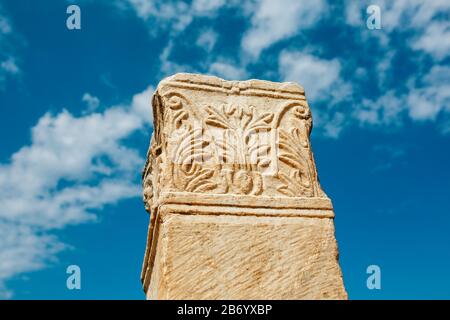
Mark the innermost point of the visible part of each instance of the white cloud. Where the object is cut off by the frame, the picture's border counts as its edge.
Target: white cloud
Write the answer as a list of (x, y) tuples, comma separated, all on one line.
[(318, 76), (9, 65), (273, 21), (422, 107), (334, 124), (323, 85), (163, 12), (207, 40), (395, 15), (141, 105), (425, 102), (420, 25), (5, 26), (431, 30), (173, 15), (8, 61), (435, 40), (385, 110), (207, 7), (91, 101), (227, 70), (406, 14), (215, 65), (424, 28), (220, 67), (353, 14), (22, 249), (384, 68), (73, 167)]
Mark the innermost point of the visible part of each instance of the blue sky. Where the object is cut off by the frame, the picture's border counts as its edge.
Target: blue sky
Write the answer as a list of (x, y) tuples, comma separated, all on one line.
[(76, 121)]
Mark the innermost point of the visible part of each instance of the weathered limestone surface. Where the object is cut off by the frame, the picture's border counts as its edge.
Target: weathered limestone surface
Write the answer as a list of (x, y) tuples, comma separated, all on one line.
[(237, 211)]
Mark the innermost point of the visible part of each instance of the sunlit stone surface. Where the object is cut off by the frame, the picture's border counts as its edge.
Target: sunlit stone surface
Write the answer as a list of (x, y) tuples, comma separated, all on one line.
[(237, 211)]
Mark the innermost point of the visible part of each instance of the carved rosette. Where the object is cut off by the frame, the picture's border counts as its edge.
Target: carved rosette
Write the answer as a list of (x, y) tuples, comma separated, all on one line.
[(219, 137)]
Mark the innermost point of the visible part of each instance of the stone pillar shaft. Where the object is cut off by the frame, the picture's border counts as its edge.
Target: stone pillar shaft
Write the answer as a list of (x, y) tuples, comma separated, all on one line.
[(236, 208)]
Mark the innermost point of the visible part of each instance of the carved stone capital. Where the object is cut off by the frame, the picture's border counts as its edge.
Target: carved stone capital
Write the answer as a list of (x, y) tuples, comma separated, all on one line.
[(230, 149)]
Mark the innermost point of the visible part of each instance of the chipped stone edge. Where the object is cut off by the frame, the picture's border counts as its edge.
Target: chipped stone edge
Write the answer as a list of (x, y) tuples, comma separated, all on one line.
[(212, 83)]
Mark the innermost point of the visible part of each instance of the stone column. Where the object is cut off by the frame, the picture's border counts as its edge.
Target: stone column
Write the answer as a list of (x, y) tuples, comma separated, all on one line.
[(236, 209)]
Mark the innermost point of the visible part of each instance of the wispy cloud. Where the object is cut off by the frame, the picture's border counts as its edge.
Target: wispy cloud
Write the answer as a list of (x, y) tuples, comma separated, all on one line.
[(173, 16), (424, 32), (413, 32), (273, 21), (207, 39), (92, 102), (435, 40), (319, 77), (227, 70), (73, 167), (432, 95), (323, 85), (9, 66), (5, 26), (24, 249)]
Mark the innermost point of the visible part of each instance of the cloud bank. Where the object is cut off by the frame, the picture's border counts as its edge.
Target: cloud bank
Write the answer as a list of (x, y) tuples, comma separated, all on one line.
[(73, 167)]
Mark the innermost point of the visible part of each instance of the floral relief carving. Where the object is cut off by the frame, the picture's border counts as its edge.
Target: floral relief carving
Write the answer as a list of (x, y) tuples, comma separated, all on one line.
[(150, 176), (217, 148), (292, 153), (189, 155), (240, 145)]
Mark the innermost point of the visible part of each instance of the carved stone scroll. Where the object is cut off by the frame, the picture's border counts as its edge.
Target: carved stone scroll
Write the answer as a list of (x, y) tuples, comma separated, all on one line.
[(236, 208)]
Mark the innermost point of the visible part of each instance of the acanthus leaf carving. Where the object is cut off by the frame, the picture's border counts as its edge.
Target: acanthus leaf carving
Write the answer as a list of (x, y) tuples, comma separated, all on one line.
[(240, 145), (297, 176), (189, 155), (215, 148)]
